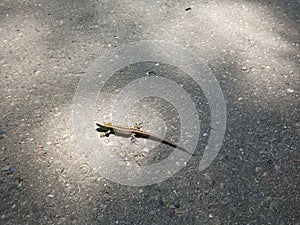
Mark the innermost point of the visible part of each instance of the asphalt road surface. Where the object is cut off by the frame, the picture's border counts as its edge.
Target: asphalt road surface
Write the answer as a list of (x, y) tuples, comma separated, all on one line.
[(252, 50)]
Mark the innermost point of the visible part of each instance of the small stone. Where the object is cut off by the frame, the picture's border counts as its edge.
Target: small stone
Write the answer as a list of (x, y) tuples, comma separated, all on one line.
[(2, 134), (151, 73), (37, 215), (5, 168), (51, 196), (177, 204), (289, 90), (11, 170)]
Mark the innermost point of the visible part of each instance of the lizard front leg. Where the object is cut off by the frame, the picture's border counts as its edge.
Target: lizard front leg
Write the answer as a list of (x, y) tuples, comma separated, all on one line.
[(133, 138), (138, 126), (107, 133)]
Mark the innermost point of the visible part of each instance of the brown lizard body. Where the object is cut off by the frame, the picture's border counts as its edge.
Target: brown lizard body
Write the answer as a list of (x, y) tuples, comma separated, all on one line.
[(134, 132)]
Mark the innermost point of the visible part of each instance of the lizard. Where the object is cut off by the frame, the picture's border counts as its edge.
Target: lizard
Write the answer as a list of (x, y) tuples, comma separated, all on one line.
[(108, 128)]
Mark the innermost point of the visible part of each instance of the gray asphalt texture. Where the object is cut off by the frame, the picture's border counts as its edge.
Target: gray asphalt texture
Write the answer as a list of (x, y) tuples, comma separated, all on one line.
[(252, 47)]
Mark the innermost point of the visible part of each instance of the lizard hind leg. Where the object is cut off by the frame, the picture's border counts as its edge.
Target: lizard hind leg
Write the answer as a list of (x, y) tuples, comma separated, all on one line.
[(133, 138)]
